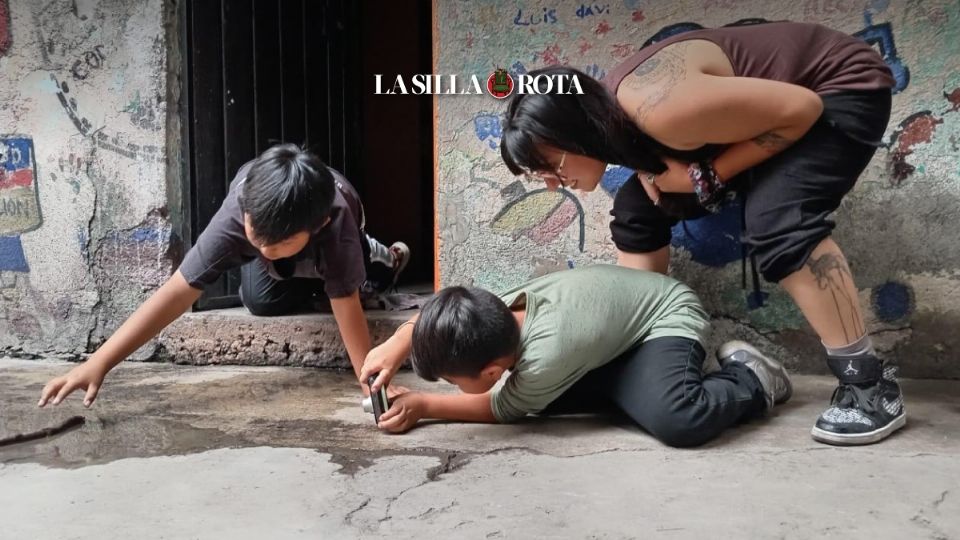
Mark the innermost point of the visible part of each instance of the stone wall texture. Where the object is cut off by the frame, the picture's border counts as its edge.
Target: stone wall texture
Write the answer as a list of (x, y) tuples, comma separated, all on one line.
[(85, 228)]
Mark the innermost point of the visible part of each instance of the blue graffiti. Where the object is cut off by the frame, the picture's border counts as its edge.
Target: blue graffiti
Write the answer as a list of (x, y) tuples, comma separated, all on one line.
[(892, 301), (881, 36), (712, 240), (595, 71), (549, 16), (487, 128), (16, 156), (148, 234), (11, 255), (517, 69), (16, 153), (589, 10), (614, 178)]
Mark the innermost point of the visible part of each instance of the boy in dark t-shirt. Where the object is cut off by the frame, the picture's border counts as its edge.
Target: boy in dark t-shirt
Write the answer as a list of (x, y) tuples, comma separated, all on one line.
[(297, 228)]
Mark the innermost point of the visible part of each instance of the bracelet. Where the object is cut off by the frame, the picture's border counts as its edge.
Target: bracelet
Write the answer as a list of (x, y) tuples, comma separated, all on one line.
[(708, 186)]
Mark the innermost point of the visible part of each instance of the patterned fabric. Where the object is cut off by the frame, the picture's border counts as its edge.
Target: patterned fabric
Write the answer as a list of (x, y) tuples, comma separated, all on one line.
[(711, 191), (846, 416)]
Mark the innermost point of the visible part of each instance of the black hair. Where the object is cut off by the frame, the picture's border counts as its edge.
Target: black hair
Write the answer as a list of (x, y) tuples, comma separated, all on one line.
[(287, 190), (460, 331), (590, 124)]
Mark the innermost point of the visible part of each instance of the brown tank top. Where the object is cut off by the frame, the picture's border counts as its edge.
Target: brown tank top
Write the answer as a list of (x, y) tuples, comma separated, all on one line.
[(809, 55)]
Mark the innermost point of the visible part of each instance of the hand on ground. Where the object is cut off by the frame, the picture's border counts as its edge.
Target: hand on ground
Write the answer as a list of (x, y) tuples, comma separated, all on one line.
[(85, 377)]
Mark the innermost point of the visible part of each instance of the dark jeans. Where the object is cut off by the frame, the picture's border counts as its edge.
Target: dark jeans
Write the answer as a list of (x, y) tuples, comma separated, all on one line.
[(265, 296), (661, 386), (788, 198)]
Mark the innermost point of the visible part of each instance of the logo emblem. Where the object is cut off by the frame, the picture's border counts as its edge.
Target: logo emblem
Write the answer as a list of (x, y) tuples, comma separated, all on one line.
[(500, 84)]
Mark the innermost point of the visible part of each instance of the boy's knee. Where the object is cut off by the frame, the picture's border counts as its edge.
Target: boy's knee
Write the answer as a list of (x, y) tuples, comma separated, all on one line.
[(682, 436), (679, 429), (266, 309)]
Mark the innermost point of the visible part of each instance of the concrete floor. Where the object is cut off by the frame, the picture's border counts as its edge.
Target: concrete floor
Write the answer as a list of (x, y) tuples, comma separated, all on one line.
[(238, 452)]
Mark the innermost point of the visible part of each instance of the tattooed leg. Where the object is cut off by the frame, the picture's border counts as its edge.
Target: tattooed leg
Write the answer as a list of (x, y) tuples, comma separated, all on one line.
[(825, 292)]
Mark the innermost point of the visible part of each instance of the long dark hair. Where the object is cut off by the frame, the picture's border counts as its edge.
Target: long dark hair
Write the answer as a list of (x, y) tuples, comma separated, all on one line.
[(592, 124)]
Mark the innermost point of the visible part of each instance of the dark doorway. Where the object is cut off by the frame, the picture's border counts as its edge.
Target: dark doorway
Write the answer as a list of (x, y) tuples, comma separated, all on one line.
[(397, 131), (258, 72)]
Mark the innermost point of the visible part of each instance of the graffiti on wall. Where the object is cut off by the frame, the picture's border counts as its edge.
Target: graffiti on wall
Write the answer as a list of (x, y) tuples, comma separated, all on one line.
[(141, 255), (880, 36), (111, 143), (917, 129), (19, 201), (76, 45), (541, 215), (486, 126)]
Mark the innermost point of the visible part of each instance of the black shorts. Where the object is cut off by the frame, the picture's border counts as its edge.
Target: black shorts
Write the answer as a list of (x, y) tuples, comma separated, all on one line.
[(787, 199)]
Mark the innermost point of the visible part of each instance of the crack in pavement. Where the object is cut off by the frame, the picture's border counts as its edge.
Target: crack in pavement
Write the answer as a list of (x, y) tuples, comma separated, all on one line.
[(449, 462), (348, 519), (434, 510)]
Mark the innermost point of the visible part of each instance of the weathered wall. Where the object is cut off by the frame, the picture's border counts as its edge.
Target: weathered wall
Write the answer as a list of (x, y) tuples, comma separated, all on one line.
[(84, 228), (898, 228)]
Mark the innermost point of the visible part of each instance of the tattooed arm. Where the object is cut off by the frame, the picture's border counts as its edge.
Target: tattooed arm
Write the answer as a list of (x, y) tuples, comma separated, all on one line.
[(757, 117)]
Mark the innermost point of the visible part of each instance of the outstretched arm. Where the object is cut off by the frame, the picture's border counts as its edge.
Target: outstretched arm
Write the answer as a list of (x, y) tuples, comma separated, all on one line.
[(170, 301)]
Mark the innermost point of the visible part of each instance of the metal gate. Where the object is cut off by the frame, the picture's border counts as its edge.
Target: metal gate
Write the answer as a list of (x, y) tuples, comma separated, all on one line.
[(258, 72)]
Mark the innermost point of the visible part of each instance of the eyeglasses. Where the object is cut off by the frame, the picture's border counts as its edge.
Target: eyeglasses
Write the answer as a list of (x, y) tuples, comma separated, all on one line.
[(558, 174)]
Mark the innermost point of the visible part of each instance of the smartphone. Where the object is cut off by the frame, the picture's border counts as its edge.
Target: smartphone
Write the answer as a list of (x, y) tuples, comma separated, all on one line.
[(378, 399)]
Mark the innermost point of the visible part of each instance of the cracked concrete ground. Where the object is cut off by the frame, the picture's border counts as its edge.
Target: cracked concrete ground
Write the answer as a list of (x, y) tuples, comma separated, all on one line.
[(241, 452)]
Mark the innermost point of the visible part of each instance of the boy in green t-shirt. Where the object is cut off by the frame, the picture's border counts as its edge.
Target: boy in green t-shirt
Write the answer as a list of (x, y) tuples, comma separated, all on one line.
[(574, 341)]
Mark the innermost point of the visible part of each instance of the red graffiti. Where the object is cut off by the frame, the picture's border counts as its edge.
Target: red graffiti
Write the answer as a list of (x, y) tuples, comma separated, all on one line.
[(551, 55), (918, 128), (915, 129), (20, 178), (621, 50), (4, 27), (954, 99), (584, 47), (562, 216), (638, 16), (602, 28)]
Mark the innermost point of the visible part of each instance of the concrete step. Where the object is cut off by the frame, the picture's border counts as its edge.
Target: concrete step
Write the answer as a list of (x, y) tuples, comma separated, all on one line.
[(235, 337)]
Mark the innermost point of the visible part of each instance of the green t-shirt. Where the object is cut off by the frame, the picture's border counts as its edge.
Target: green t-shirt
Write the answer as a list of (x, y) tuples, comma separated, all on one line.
[(578, 320)]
